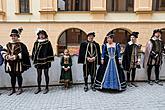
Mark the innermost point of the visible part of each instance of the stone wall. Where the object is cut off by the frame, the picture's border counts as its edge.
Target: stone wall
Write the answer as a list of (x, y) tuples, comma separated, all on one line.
[(30, 76)]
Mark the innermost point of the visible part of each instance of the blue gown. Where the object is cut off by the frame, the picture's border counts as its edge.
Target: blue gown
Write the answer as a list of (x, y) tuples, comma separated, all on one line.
[(110, 75), (1, 58)]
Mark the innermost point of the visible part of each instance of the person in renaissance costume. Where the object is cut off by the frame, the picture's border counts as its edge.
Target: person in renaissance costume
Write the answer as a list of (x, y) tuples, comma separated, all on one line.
[(110, 75), (90, 57), (42, 56), (66, 71), (131, 58), (1, 58), (153, 56), (17, 60)]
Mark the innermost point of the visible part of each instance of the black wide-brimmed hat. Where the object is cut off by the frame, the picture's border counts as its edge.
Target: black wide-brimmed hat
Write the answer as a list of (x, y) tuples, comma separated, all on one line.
[(157, 30), (14, 32), (91, 33), (110, 34), (42, 32), (135, 34)]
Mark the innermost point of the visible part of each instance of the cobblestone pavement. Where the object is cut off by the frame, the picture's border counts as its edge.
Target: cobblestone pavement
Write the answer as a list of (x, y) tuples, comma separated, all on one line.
[(144, 97)]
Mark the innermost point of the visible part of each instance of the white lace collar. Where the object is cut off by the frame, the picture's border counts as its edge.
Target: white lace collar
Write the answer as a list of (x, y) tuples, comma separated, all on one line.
[(154, 38), (130, 43), (108, 45), (42, 40)]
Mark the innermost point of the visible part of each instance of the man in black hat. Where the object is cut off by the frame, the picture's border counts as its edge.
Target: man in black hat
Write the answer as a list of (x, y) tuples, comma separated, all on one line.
[(17, 59), (42, 56), (131, 59), (90, 57), (153, 55)]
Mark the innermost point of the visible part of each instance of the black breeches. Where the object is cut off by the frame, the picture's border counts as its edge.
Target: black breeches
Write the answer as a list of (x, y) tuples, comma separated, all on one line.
[(133, 71), (149, 70), (15, 76), (89, 69), (39, 77)]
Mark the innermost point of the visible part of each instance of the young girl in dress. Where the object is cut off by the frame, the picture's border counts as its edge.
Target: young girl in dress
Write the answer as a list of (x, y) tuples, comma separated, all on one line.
[(66, 72)]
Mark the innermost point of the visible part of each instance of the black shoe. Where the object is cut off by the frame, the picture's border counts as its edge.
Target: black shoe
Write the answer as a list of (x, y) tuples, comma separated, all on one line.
[(19, 91), (159, 83), (46, 91), (37, 91), (85, 88), (11, 93), (93, 88), (0, 93), (134, 84), (150, 83), (129, 84)]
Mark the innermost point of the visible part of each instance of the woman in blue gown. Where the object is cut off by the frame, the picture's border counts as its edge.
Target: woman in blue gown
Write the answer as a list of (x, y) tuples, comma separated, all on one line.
[(110, 75)]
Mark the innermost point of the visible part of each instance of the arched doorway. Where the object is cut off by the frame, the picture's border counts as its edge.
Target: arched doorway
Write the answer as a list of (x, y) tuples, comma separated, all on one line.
[(121, 36), (71, 39)]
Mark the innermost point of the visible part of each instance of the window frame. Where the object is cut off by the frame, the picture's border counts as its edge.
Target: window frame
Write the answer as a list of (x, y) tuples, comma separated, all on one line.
[(87, 7), (17, 10), (118, 11), (158, 5)]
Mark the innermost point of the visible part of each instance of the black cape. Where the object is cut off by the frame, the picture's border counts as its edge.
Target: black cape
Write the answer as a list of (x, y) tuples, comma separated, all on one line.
[(127, 56), (25, 57), (42, 53), (82, 52), (25, 61)]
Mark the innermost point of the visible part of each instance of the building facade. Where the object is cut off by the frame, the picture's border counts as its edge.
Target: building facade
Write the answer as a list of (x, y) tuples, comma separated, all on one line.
[(68, 21)]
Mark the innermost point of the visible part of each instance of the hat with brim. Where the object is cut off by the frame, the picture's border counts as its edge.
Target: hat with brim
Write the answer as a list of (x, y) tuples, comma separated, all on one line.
[(42, 32), (135, 34), (91, 33), (157, 30), (14, 32)]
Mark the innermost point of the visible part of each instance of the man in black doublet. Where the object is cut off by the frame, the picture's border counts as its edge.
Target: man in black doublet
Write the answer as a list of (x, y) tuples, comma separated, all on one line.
[(90, 57)]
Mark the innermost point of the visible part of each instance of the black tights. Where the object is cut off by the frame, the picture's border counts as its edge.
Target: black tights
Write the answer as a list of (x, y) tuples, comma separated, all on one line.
[(13, 80), (156, 72), (133, 75), (39, 78)]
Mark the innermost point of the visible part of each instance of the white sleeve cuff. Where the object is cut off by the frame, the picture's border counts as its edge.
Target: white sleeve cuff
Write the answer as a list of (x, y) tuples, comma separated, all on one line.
[(139, 60), (119, 58), (68, 67), (20, 56)]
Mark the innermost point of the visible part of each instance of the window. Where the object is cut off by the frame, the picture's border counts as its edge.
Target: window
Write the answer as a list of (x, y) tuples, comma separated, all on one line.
[(120, 5), (71, 39), (24, 6), (158, 5), (73, 5)]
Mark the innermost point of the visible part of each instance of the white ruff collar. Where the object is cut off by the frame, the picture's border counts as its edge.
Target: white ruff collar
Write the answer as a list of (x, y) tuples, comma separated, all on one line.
[(130, 43), (154, 38), (42, 40)]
